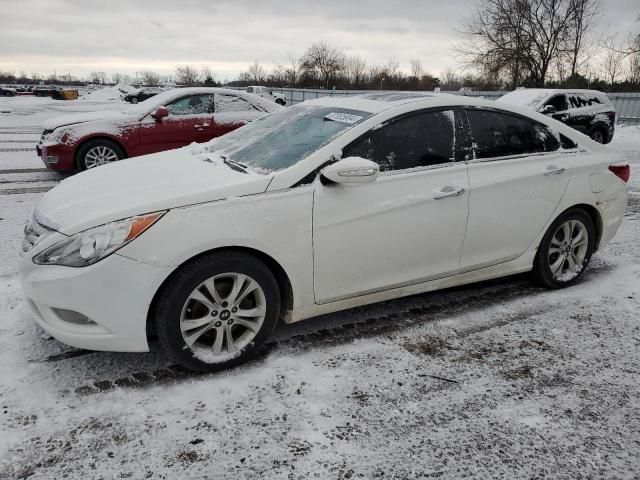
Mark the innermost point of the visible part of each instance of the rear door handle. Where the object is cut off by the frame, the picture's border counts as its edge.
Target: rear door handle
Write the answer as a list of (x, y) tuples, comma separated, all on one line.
[(447, 192), (553, 170)]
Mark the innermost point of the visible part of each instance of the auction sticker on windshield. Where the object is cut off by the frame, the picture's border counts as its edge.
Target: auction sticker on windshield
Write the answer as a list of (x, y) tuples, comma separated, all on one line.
[(343, 117)]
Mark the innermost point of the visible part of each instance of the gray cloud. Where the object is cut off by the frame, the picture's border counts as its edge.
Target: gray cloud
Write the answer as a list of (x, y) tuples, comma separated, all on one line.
[(86, 35)]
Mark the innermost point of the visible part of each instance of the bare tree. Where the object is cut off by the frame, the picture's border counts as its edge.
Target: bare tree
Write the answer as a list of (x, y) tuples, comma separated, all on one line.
[(208, 76), (450, 80), (186, 75), (322, 61), (98, 77), (355, 68), (292, 71), (150, 79), (257, 73), (613, 65), (416, 67), (518, 38), (579, 44)]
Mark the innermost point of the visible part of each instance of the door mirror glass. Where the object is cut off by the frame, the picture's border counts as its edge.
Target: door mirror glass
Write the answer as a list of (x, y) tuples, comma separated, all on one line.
[(549, 110), (351, 170), (160, 113)]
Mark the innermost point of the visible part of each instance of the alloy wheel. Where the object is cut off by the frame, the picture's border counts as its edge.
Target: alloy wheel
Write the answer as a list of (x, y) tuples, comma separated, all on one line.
[(99, 155), (568, 250), (222, 315)]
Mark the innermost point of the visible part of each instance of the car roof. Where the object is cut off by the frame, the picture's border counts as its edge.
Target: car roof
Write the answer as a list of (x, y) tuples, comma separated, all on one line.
[(533, 97), (378, 102), (172, 94)]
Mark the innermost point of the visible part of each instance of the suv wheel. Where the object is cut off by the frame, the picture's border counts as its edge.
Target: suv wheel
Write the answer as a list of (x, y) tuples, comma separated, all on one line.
[(598, 135)]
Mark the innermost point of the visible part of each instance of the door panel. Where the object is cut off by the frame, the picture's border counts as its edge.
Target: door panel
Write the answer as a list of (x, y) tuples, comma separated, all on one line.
[(389, 233)]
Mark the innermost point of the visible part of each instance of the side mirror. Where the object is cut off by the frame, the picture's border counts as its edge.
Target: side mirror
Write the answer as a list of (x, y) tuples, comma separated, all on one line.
[(548, 110), (351, 170), (160, 113)]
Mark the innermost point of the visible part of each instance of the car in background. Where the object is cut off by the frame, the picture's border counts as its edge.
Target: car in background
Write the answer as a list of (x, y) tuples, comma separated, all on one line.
[(171, 119), (7, 92), (328, 205), (587, 111), (266, 92), (46, 90), (142, 94)]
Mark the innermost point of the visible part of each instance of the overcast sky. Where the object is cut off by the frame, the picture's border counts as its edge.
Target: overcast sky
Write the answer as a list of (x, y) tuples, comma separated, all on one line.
[(81, 36)]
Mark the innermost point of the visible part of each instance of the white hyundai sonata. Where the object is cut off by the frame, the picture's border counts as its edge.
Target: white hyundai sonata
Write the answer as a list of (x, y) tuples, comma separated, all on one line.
[(328, 205)]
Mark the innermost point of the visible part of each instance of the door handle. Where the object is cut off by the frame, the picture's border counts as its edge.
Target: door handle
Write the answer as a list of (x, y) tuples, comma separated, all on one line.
[(447, 192), (200, 127), (553, 170)]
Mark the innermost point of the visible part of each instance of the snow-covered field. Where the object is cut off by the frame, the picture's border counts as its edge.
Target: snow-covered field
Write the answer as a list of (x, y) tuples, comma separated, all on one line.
[(498, 380)]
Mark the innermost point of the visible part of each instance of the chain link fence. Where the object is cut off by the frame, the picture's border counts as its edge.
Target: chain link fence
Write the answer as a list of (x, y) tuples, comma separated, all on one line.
[(627, 105)]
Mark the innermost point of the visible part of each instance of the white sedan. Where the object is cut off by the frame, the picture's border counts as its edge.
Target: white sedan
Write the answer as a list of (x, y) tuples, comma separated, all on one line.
[(328, 205)]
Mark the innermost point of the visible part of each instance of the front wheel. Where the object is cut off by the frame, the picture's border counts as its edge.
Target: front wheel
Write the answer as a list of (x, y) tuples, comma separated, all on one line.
[(565, 250), (598, 135), (217, 311), (98, 152)]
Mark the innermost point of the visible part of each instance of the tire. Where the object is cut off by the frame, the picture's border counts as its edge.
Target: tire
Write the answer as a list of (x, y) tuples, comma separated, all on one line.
[(186, 301), (98, 152), (280, 102), (572, 257), (134, 100), (598, 135)]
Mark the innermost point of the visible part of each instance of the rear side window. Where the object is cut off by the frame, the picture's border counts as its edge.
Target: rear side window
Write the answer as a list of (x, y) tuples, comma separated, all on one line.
[(497, 134), (191, 105), (416, 141), (231, 103)]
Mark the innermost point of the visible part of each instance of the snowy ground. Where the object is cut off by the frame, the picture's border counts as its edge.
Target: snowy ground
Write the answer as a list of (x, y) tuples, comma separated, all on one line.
[(498, 380)]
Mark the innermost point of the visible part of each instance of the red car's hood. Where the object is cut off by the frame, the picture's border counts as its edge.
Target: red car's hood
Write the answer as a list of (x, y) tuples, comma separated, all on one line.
[(76, 118), (150, 183)]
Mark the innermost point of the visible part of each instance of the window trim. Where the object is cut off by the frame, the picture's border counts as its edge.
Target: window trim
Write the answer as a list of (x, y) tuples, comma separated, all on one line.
[(456, 127), (517, 155)]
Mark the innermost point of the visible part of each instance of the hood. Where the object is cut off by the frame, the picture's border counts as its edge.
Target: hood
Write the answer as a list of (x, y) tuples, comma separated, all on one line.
[(135, 186), (75, 118)]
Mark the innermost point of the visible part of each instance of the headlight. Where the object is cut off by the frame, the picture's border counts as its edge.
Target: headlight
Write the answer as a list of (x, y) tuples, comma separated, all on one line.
[(55, 137), (88, 247)]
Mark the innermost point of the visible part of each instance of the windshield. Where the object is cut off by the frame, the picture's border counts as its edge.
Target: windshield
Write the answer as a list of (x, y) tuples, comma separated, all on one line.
[(282, 139)]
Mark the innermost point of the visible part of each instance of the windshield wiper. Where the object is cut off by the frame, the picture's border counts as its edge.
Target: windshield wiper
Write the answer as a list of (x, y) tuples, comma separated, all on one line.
[(237, 166)]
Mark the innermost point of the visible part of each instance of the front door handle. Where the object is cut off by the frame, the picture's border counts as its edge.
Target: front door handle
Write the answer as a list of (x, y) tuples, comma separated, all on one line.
[(201, 127), (553, 170), (447, 192)]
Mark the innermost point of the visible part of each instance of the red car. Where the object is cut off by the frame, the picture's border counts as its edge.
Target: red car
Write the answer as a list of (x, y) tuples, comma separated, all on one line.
[(171, 119)]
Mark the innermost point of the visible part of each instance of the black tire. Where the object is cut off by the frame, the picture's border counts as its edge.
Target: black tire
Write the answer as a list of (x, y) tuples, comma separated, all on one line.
[(173, 297), (280, 102), (81, 155), (542, 273), (598, 135)]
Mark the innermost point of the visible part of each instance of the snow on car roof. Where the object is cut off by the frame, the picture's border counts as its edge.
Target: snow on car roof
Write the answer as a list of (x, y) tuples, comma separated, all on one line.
[(377, 102), (533, 97)]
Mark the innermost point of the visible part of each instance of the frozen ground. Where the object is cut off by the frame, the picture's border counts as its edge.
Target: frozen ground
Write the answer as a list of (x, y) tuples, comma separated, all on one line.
[(498, 380)]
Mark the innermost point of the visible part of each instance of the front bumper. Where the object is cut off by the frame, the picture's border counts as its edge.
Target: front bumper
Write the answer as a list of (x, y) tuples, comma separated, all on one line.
[(57, 157), (100, 307)]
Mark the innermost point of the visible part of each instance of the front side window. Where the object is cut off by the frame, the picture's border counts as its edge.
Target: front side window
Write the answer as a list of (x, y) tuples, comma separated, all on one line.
[(191, 105), (231, 103), (559, 102), (497, 134), (416, 141)]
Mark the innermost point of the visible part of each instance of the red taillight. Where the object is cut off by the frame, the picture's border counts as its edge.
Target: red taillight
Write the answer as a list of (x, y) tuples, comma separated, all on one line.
[(623, 172)]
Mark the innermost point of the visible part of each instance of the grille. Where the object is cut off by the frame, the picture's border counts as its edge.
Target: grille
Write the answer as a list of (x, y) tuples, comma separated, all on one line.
[(33, 233)]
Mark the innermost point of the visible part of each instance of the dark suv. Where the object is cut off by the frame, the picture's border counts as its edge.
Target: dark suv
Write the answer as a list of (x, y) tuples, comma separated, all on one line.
[(587, 111)]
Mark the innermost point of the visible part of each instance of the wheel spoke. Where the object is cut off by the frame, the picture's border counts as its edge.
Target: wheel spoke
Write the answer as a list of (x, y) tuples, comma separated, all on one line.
[(199, 297), (566, 231), (249, 287), (571, 262), (217, 344), (553, 250), (210, 287), (238, 284), (253, 326), (257, 311), (190, 324), (191, 338), (555, 242), (579, 238), (557, 265), (231, 345)]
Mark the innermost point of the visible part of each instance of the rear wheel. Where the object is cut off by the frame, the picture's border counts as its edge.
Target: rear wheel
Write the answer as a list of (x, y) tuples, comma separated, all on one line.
[(98, 152), (217, 311), (598, 135), (565, 250)]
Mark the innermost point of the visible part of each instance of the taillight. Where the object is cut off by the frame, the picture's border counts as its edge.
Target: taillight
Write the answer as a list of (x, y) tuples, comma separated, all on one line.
[(612, 117), (623, 172)]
